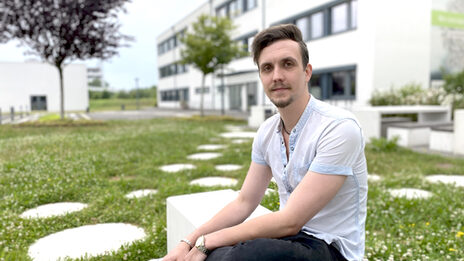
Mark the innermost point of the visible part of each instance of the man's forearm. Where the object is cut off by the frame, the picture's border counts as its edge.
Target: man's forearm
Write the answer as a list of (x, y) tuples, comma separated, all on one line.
[(232, 214), (273, 225)]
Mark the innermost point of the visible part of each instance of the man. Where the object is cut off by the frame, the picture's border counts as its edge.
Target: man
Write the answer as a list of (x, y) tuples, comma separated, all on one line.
[(314, 151)]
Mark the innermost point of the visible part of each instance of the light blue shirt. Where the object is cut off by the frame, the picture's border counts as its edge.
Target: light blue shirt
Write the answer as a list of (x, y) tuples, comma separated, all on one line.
[(326, 140)]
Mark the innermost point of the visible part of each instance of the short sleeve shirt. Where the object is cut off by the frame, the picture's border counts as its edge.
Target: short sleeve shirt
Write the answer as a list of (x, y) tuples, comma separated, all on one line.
[(327, 140)]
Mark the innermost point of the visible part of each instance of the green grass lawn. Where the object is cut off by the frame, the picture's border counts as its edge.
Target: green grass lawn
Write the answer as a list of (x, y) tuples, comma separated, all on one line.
[(99, 165), (115, 104)]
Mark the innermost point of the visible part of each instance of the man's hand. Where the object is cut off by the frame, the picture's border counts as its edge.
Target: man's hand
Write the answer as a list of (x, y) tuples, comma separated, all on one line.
[(179, 253), (195, 255)]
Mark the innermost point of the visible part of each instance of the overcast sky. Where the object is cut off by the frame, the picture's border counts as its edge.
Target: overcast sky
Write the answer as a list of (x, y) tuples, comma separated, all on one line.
[(145, 20)]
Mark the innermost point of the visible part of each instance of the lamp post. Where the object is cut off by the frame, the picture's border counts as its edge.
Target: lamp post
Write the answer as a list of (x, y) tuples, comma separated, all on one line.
[(137, 93)]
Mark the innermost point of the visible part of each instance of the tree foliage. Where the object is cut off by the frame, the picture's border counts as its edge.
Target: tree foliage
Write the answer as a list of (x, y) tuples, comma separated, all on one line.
[(209, 46), (59, 31)]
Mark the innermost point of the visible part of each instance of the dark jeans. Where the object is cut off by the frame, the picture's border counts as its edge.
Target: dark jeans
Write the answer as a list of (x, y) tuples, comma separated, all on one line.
[(299, 247)]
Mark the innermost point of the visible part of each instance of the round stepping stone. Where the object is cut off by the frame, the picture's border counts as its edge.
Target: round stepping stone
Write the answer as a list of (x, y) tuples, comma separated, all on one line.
[(239, 141), (227, 167), (177, 167), (447, 179), (141, 193), (410, 193), (53, 209), (214, 181), (239, 134), (204, 156), (273, 180), (88, 240), (234, 128), (269, 191), (210, 147), (373, 177)]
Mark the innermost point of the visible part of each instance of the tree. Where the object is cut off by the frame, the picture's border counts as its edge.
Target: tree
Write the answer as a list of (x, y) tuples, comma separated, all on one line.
[(59, 31), (209, 46)]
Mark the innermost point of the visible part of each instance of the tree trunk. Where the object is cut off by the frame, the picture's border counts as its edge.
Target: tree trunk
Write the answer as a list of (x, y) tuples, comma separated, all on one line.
[(60, 71), (202, 113)]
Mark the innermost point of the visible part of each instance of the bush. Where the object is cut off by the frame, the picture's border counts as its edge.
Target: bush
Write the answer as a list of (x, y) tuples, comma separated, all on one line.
[(382, 144), (410, 94)]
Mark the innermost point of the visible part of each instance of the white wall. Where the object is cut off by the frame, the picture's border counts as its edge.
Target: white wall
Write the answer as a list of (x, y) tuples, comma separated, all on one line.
[(18, 81)]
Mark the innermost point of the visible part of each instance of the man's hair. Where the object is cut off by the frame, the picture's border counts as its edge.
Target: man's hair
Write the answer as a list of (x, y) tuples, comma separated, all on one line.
[(277, 33)]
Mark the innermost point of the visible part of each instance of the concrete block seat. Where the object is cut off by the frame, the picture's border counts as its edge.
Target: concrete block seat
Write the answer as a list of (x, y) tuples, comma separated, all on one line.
[(187, 212), (442, 138), (388, 121), (413, 134)]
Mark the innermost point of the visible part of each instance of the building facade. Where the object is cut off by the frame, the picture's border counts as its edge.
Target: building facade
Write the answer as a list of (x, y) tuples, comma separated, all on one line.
[(355, 47), (32, 86)]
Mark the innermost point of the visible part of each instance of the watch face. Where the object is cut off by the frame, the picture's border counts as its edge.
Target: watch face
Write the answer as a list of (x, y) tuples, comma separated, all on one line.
[(200, 241)]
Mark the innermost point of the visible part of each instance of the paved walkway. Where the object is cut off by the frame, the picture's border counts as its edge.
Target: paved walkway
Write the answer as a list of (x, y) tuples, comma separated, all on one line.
[(151, 113)]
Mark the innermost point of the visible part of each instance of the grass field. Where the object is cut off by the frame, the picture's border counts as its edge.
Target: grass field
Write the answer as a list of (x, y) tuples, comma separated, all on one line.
[(115, 104), (98, 165)]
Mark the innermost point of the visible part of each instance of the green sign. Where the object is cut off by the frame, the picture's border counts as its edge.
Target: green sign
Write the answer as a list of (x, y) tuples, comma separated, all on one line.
[(447, 19)]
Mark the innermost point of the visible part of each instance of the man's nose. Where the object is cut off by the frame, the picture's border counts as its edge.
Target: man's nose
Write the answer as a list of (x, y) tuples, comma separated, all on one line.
[(277, 74)]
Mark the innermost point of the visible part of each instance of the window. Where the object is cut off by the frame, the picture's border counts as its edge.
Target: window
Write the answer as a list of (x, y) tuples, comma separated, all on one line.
[(337, 83), (317, 25), (315, 86), (303, 25), (246, 41), (250, 4), (205, 90), (354, 14), (175, 95), (339, 18)]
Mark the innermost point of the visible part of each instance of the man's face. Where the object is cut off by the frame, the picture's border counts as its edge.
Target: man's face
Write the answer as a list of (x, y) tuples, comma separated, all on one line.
[(282, 74)]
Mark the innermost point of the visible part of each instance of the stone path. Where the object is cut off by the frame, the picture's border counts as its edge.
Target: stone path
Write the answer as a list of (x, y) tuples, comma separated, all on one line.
[(457, 180), (373, 177), (211, 147), (240, 135), (214, 181), (53, 209), (88, 240), (227, 167), (177, 167), (204, 156), (141, 193), (239, 141), (410, 193)]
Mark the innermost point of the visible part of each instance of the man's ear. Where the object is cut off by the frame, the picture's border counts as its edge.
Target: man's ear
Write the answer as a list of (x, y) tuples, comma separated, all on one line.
[(308, 72)]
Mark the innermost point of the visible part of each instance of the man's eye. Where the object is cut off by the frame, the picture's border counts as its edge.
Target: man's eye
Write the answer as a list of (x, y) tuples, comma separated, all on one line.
[(266, 68), (288, 64)]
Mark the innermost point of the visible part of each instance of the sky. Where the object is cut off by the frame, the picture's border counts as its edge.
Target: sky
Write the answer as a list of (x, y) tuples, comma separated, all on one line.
[(144, 20)]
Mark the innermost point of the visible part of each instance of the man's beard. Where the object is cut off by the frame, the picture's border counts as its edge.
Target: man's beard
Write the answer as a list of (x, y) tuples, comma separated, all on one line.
[(282, 103)]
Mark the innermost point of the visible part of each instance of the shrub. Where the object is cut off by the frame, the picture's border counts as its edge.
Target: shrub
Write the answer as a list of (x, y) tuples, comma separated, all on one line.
[(410, 94), (382, 144)]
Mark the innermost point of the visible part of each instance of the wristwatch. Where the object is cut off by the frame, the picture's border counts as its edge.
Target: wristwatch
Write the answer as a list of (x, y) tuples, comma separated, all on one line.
[(200, 245)]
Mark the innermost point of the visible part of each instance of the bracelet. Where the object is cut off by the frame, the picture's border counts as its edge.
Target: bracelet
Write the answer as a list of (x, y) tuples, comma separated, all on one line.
[(186, 241)]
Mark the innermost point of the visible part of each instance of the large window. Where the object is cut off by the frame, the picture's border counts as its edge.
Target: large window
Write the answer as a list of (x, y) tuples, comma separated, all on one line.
[(336, 83), (235, 8), (246, 41), (337, 17), (170, 43), (175, 95), (317, 25), (172, 69), (303, 25)]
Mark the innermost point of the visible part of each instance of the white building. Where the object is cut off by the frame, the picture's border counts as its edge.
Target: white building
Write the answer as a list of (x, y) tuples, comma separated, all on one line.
[(355, 47), (33, 86)]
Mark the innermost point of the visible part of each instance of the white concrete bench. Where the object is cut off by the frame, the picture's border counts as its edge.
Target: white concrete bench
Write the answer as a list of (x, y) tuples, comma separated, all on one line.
[(459, 132), (370, 117), (413, 134), (187, 212), (259, 113), (442, 139)]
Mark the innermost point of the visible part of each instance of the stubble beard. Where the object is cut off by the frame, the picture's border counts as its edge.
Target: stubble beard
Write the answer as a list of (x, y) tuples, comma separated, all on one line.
[(282, 103)]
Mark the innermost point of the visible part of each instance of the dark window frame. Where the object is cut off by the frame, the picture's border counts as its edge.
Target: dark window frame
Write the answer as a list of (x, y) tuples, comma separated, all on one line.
[(326, 82)]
